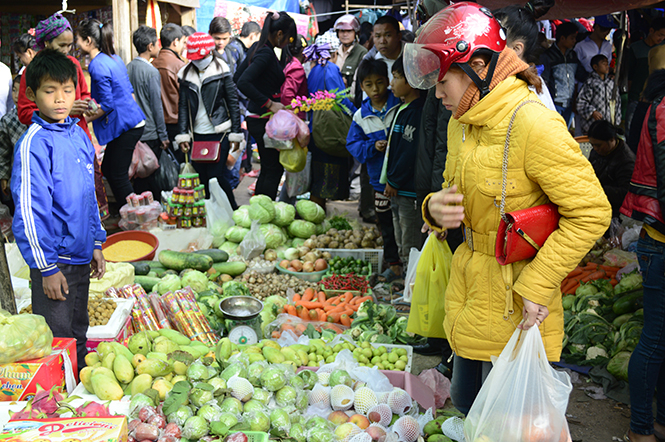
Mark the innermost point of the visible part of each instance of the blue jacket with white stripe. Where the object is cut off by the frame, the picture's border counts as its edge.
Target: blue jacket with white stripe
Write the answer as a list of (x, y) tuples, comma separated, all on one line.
[(53, 186), (366, 129)]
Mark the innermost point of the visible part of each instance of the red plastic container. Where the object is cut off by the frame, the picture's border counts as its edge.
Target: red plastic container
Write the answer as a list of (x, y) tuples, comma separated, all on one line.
[(135, 235)]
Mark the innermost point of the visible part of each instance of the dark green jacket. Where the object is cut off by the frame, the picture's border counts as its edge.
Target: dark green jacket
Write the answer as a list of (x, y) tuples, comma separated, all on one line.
[(351, 64)]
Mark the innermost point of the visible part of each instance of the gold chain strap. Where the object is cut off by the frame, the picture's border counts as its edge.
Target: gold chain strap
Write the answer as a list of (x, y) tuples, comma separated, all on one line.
[(504, 166)]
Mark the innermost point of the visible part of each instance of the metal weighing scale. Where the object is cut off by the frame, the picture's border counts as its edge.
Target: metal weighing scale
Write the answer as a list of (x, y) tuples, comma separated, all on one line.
[(243, 323)]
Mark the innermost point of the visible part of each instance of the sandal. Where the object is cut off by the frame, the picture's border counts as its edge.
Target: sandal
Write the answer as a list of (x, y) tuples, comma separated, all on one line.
[(388, 276), (658, 437)]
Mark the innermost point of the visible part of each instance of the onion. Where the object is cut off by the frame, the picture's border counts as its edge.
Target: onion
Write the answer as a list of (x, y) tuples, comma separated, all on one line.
[(308, 267), (302, 251), (310, 257), (285, 264), (320, 264), (291, 254), (296, 264), (270, 255), (310, 243)]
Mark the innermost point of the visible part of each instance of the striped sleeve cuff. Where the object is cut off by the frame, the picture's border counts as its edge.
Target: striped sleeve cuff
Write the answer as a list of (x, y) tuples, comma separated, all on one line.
[(49, 270), (98, 245)]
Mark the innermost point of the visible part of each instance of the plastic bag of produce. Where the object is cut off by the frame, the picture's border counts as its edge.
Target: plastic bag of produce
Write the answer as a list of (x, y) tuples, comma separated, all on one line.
[(118, 274), (523, 398), (23, 337), (299, 182), (427, 300), (254, 243), (219, 214), (294, 160), (144, 161), (283, 125)]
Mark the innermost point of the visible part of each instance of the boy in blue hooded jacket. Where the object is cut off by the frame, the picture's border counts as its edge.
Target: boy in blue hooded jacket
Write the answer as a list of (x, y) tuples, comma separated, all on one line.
[(367, 141), (56, 222)]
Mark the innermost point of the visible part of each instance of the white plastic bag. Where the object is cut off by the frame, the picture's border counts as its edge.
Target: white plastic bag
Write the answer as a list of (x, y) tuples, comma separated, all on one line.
[(523, 398), (298, 183), (218, 212), (254, 243), (410, 279)]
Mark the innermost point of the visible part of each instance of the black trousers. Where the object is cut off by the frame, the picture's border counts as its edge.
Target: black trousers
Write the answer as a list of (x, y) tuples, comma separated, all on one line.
[(117, 159), (207, 171), (385, 215), (69, 318), (271, 169), (172, 130)]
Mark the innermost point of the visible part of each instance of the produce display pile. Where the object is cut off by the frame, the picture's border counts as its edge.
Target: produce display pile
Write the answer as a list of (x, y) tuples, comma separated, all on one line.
[(100, 310), (180, 387), (312, 306), (603, 324)]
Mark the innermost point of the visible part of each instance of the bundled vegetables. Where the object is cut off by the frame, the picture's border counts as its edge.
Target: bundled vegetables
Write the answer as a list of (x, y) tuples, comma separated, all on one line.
[(23, 337), (314, 306)]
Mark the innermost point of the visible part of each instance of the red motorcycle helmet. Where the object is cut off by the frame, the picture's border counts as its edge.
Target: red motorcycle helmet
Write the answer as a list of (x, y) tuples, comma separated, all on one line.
[(453, 35), (347, 22)]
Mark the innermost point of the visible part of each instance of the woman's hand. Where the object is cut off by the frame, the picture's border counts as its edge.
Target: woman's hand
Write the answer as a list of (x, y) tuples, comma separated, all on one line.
[(275, 106), (80, 107), (440, 236), (444, 210), (534, 314), (184, 147)]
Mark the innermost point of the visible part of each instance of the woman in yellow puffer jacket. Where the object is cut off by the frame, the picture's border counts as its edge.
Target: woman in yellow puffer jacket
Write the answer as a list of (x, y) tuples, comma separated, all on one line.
[(462, 51)]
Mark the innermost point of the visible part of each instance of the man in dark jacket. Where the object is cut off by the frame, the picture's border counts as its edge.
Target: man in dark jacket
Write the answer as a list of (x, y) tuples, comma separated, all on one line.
[(562, 68)]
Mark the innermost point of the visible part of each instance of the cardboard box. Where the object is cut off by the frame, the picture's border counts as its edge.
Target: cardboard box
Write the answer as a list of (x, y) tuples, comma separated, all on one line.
[(18, 381), (92, 429)]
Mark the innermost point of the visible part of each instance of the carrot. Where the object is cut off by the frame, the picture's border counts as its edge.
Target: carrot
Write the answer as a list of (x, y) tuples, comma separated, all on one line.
[(610, 268), (322, 297), (567, 285), (300, 329), (340, 308), (304, 313), (577, 271), (308, 294), (345, 320), (322, 315), (573, 289), (311, 304), (594, 276), (290, 309), (360, 299), (333, 300), (286, 327), (591, 265), (334, 316), (346, 297), (334, 327), (614, 282), (313, 315), (275, 335), (296, 297)]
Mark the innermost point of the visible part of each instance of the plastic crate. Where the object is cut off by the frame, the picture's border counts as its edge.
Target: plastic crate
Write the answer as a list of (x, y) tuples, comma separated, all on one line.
[(254, 436), (372, 256)]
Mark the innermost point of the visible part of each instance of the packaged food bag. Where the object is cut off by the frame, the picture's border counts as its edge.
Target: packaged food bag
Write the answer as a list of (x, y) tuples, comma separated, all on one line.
[(294, 160), (23, 337), (523, 398)]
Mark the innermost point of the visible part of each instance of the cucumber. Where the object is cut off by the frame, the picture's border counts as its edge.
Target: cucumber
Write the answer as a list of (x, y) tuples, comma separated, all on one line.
[(180, 261), (146, 282), (620, 320), (628, 303), (140, 267), (230, 268), (216, 254)]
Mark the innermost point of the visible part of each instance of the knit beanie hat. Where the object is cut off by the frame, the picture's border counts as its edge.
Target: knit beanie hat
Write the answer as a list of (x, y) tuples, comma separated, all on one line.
[(199, 45)]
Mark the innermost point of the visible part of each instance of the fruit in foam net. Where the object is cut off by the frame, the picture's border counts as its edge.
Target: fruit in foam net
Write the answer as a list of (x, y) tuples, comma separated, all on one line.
[(376, 432), (380, 414), (241, 388), (346, 431), (319, 395), (324, 378), (341, 397), (399, 401), (364, 399), (407, 428)]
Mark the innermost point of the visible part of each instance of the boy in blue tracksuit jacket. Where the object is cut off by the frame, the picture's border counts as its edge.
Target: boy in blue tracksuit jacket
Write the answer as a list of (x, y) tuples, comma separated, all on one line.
[(56, 223), (399, 177), (367, 141)]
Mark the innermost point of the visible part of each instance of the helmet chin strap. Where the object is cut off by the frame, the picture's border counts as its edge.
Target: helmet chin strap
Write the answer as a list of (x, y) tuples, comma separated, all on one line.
[(483, 85)]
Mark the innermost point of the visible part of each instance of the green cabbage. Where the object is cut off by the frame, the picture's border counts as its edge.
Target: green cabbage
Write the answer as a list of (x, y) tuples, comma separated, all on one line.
[(284, 214), (274, 235), (261, 209), (310, 211), (169, 283), (229, 247), (236, 234), (198, 281), (241, 217), (235, 288), (618, 365), (302, 229)]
